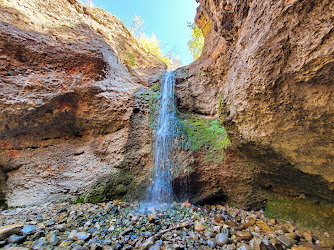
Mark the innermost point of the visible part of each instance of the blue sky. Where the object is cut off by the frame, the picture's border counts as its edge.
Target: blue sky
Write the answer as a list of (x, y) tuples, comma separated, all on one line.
[(167, 19)]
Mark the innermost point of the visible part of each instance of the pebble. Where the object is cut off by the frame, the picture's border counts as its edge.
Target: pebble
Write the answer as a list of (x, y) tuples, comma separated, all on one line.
[(244, 235), (152, 218), (256, 244), (291, 236), (16, 239), (149, 242), (117, 246), (243, 247), (60, 228), (65, 243), (120, 225), (39, 244), (81, 236), (218, 218), (28, 230), (284, 240), (209, 234), (52, 237), (199, 227), (308, 236), (222, 239), (195, 237), (216, 229), (212, 243), (264, 227)]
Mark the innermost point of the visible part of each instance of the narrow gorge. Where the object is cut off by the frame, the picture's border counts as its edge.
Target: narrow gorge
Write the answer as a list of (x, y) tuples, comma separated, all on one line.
[(234, 151)]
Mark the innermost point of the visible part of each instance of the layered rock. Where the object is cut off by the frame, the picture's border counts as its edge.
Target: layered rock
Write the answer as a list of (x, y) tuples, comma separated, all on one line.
[(267, 69), (71, 78)]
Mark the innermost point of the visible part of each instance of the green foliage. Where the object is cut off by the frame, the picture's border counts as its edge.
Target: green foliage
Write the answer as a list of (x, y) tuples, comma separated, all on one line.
[(119, 191), (131, 60), (79, 200), (128, 175), (152, 46), (196, 44), (220, 112), (155, 87), (199, 133)]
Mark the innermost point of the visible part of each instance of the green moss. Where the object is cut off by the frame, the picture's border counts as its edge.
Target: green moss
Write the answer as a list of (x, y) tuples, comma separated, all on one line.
[(155, 87), (119, 191), (79, 200), (131, 60), (198, 133), (128, 175), (220, 111), (151, 98), (306, 214), (94, 198)]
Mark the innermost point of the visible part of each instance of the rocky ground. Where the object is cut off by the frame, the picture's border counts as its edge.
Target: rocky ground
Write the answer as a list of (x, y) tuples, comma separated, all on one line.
[(120, 225)]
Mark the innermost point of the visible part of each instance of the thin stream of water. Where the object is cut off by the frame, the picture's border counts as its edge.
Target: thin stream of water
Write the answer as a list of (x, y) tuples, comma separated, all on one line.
[(161, 190)]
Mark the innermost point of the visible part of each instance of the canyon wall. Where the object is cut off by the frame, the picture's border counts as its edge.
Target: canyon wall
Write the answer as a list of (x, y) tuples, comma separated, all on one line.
[(73, 123), (74, 103), (267, 70)]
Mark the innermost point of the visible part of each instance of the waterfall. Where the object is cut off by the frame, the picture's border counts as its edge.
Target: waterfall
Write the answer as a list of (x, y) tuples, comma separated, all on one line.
[(164, 147)]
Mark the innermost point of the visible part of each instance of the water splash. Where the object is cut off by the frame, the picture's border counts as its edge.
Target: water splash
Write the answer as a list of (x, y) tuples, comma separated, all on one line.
[(164, 148)]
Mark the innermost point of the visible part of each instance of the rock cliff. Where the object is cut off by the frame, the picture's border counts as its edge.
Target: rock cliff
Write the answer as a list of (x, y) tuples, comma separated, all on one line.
[(74, 107), (72, 119), (267, 70)]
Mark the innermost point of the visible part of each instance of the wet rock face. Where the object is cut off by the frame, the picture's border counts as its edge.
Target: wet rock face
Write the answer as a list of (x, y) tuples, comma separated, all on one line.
[(267, 69), (210, 182), (67, 103)]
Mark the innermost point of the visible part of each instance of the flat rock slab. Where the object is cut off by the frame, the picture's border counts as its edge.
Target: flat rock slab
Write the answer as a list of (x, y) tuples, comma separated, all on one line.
[(8, 230)]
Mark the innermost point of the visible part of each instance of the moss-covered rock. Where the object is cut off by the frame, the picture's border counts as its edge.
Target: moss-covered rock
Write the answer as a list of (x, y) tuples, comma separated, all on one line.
[(200, 133), (305, 213), (119, 191)]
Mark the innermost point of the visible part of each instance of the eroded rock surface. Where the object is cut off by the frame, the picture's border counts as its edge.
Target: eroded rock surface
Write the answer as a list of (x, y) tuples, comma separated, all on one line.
[(70, 77), (267, 69)]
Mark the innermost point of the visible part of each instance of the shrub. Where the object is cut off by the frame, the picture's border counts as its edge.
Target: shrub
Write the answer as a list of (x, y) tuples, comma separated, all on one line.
[(152, 46), (196, 44)]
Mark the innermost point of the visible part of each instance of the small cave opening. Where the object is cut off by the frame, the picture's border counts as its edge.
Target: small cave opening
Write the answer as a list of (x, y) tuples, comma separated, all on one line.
[(187, 188), (136, 110), (213, 200), (181, 188)]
